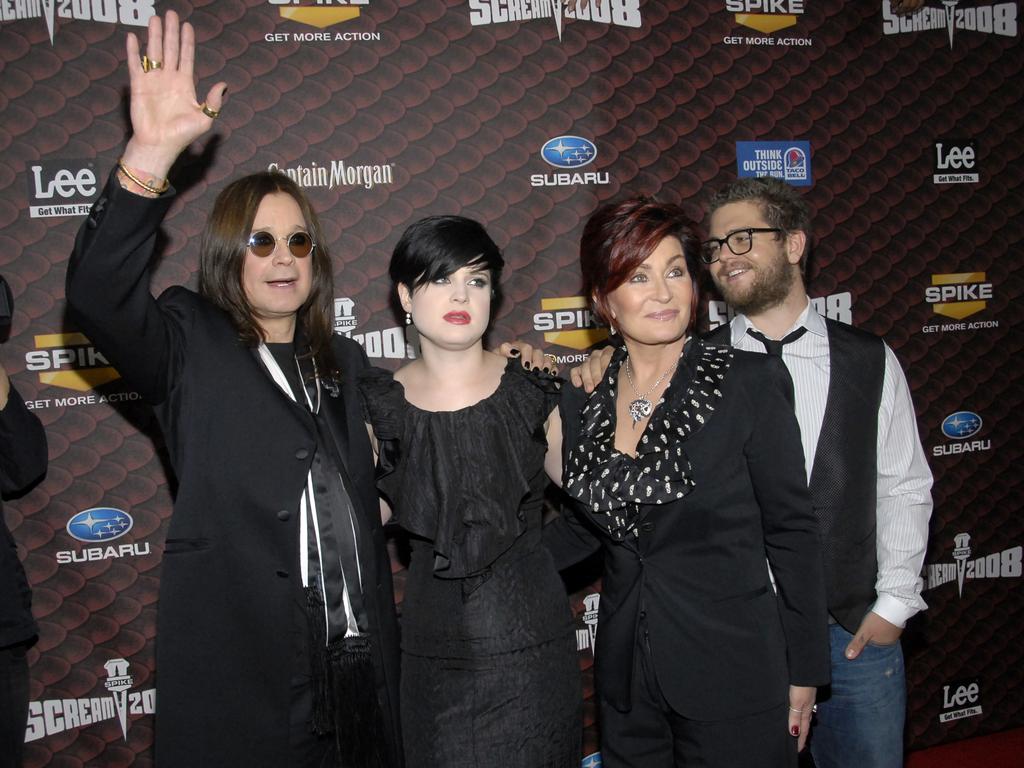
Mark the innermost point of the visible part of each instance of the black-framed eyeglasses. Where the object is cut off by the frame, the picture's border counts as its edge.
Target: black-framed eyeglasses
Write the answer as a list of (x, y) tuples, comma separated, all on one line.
[(740, 242), (262, 244)]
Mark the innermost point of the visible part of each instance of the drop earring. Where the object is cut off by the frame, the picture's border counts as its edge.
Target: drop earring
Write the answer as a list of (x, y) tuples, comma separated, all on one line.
[(412, 338)]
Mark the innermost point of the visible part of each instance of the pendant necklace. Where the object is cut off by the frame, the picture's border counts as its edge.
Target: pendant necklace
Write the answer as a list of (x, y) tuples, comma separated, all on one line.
[(641, 407)]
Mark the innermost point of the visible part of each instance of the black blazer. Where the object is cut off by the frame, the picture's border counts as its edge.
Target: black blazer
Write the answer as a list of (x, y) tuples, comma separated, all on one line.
[(22, 461), (724, 644), (241, 450)]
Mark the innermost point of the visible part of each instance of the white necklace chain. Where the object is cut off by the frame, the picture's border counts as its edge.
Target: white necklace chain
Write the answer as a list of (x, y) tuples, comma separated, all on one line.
[(641, 407)]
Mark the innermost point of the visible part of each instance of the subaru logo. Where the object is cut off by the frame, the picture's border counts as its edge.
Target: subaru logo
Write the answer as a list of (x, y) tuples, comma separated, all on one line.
[(961, 425), (568, 152), (100, 524)]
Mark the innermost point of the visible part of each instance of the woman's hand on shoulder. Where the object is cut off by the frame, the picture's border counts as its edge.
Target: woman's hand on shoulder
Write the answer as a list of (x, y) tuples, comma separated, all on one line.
[(166, 116), (589, 373), (531, 357)]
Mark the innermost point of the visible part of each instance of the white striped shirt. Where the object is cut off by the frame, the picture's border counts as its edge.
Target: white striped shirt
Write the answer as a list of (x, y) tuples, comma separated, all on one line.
[(904, 479)]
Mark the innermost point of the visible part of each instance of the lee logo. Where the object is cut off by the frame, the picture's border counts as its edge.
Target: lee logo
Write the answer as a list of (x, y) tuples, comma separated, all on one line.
[(962, 695), (960, 700), (61, 188), (954, 163), (64, 183), (954, 157)]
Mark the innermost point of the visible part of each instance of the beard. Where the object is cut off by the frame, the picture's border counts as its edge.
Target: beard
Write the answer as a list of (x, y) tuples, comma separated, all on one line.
[(772, 283)]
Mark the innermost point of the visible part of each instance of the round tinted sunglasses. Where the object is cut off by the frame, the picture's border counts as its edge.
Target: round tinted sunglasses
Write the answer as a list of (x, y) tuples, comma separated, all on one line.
[(262, 244)]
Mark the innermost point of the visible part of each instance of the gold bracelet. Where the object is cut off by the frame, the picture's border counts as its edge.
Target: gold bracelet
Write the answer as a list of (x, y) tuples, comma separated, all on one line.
[(130, 186), (142, 184)]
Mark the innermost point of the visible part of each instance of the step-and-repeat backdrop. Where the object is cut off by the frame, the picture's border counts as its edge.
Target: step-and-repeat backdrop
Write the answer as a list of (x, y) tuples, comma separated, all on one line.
[(903, 133)]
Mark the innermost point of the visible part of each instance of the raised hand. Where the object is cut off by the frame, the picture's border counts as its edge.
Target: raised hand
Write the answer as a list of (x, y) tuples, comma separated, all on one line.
[(166, 116)]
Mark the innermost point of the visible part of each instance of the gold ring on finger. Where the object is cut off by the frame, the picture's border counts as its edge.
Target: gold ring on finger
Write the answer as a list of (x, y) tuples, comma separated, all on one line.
[(211, 113), (148, 64)]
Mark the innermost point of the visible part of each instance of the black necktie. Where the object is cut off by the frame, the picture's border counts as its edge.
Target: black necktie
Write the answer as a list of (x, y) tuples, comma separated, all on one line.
[(773, 347)]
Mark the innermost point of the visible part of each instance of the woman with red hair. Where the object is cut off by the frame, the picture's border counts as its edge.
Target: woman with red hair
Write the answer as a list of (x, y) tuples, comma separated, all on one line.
[(686, 468)]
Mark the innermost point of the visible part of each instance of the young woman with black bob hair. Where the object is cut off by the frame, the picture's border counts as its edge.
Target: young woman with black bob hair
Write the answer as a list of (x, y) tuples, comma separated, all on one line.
[(489, 667)]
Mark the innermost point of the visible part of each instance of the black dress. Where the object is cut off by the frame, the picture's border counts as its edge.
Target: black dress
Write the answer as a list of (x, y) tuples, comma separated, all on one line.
[(489, 667)]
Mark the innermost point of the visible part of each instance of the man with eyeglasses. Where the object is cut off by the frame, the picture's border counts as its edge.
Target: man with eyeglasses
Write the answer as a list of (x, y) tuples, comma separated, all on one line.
[(868, 477)]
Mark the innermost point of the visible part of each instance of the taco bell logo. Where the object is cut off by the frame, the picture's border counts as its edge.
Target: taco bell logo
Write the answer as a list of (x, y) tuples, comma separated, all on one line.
[(100, 524), (795, 168), (786, 160)]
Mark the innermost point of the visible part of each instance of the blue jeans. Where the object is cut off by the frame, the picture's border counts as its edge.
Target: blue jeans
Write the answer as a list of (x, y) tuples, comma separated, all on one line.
[(861, 722)]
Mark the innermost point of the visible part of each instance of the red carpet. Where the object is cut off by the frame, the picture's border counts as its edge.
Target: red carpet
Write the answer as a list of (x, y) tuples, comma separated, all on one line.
[(1000, 750)]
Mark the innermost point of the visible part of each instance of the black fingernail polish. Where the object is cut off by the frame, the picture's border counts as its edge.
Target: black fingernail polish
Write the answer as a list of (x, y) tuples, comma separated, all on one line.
[(514, 352)]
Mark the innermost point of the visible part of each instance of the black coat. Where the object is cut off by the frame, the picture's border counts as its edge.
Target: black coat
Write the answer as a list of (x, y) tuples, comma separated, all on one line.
[(724, 645), (241, 451), (22, 461)]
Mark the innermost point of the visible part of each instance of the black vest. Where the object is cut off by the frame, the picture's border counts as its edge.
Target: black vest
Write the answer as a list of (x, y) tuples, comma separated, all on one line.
[(843, 478)]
